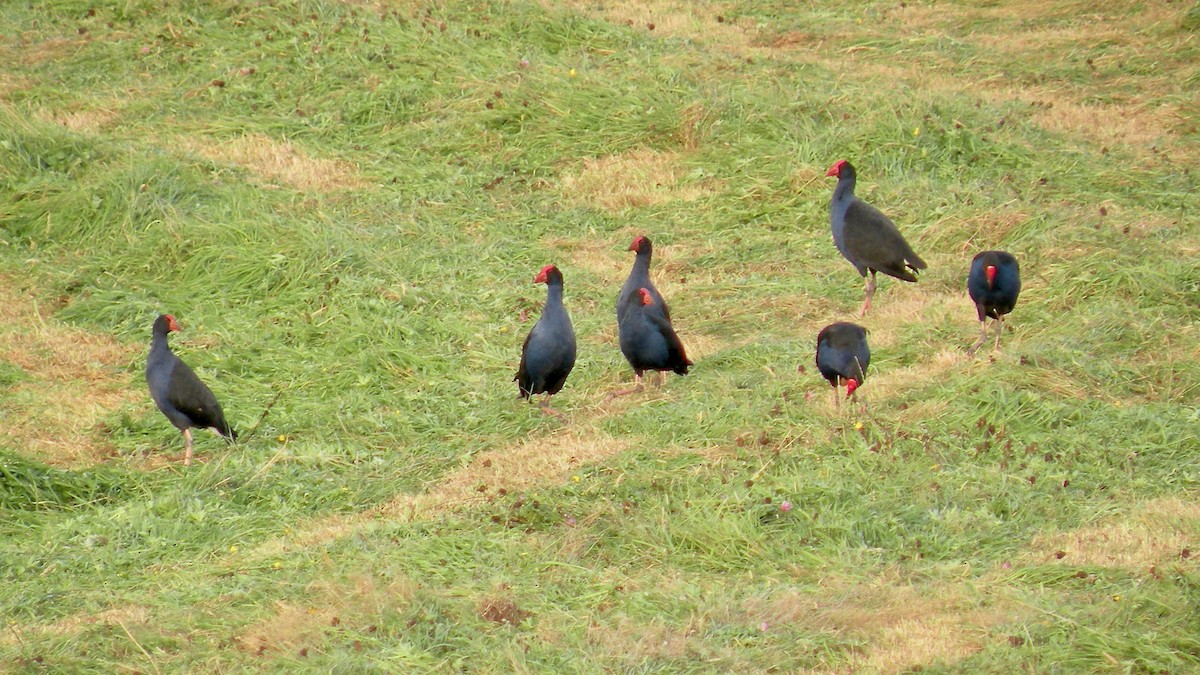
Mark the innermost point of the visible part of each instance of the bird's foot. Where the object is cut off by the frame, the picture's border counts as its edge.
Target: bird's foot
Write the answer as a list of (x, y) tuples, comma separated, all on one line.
[(551, 411), (636, 389)]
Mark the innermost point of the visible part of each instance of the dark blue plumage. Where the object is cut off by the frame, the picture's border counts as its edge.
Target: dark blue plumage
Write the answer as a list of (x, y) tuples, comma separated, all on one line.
[(648, 340), (994, 282), (843, 356), (866, 237), (178, 393), (639, 277), (548, 354)]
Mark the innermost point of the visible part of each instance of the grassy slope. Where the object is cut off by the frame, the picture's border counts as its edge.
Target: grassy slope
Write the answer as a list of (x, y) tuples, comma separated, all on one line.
[(345, 203)]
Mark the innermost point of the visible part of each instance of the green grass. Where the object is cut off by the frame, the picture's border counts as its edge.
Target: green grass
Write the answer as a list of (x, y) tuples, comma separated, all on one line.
[(344, 205)]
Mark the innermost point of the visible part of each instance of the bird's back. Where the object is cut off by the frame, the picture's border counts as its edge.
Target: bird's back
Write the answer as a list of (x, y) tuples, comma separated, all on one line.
[(842, 352), (648, 340), (1001, 297), (871, 240)]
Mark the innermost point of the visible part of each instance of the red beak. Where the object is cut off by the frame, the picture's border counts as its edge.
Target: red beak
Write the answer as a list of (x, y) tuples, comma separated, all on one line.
[(833, 171), (172, 324), (851, 385), (991, 275)]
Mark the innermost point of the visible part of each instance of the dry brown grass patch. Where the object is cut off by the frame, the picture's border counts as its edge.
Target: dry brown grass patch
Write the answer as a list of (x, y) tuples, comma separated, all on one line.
[(514, 468), (1155, 533), (129, 615), (75, 379), (279, 160), (669, 17), (624, 638), (81, 120), (353, 602), (604, 258), (1131, 124), (903, 625), (631, 179)]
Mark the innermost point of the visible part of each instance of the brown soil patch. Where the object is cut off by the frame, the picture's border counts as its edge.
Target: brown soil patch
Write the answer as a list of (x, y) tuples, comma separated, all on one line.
[(631, 179), (71, 380), (278, 160), (1155, 533), (357, 603), (502, 610)]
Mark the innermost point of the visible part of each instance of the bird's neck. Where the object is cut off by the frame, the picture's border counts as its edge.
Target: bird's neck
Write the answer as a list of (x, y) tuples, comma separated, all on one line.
[(554, 295), (844, 189), (641, 264), (158, 344)]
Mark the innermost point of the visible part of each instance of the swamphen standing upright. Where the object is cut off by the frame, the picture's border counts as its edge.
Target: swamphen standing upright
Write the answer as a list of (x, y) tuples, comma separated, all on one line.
[(548, 354), (993, 283), (866, 237), (639, 277), (843, 356), (178, 393), (648, 340)]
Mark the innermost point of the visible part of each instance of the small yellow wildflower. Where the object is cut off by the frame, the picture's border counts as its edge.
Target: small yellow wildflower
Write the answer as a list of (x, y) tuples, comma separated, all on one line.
[(233, 549), (572, 73), (916, 131)]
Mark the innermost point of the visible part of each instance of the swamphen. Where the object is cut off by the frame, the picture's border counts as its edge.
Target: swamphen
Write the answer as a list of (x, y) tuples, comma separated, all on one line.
[(648, 340), (178, 393), (639, 277), (548, 354), (843, 357), (994, 283), (866, 237)]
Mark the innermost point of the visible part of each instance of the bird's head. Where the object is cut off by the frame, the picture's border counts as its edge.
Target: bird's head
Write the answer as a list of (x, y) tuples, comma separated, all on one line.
[(990, 273), (547, 272), (851, 385), (647, 299), (837, 168), (640, 244), (172, 324)]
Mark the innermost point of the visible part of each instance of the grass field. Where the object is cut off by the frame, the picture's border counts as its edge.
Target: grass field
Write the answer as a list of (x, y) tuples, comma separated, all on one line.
[(344, 204)]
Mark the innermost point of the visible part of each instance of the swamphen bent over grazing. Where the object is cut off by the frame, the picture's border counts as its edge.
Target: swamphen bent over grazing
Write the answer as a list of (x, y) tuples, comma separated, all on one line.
[(993, 283), (843, 356), (866, 237), (178, 393), (648, 340), (639, 277), (548, 354)]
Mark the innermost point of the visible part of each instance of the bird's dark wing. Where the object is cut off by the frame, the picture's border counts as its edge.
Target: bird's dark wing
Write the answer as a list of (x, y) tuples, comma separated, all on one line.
[(522, 377), (677, 359), (191, 397), (873, 240)]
